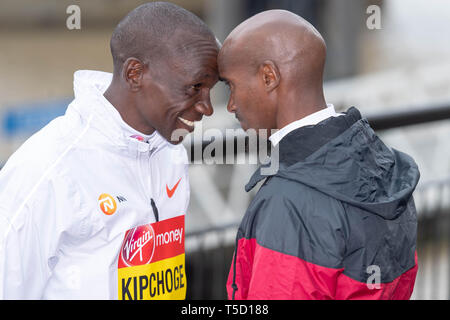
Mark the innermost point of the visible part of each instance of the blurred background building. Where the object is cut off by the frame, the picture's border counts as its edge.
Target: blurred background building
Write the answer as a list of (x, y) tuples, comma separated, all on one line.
[(400, 66)]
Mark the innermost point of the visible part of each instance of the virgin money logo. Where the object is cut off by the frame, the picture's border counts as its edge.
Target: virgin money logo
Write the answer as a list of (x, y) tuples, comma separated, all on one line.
[(138, 246)]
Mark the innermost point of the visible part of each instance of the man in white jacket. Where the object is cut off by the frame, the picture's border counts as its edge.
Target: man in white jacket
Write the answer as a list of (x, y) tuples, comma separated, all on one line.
[(92, 206)]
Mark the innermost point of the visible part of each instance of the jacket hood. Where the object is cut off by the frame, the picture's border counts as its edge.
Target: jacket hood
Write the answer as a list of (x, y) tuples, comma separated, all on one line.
[(355, 167), (88, 83), (89, 87)]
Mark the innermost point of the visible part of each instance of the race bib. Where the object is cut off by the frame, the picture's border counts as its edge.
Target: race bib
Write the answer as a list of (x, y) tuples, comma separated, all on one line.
[(152, 262)]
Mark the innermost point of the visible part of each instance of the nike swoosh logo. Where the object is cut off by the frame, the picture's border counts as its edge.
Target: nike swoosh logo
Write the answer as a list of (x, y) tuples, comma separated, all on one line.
[(170, 192)]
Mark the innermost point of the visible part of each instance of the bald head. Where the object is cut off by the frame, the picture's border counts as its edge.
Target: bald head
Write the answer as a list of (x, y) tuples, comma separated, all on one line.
[(156, 30), (283, 37), (287, 54)]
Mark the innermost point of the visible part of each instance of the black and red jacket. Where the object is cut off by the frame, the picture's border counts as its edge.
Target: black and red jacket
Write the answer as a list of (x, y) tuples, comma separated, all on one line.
[(337, 221)]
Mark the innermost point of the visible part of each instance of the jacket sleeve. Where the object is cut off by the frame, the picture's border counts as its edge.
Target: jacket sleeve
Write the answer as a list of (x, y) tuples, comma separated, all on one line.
[(34, 215), (22, 265), (22, 274), (284, 251)]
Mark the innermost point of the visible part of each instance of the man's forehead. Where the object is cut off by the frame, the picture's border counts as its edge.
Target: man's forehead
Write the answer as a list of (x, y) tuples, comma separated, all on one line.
[(187, 42), (197, 67), (205, 74), (228, 56)]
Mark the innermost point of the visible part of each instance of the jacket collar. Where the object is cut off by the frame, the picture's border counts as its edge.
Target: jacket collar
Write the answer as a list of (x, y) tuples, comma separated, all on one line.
[(309, 120), (299, 144), (89, 87)]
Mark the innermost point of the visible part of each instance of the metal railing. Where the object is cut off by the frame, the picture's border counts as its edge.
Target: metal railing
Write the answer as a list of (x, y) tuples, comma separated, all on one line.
[(378, 121), (433, 240)]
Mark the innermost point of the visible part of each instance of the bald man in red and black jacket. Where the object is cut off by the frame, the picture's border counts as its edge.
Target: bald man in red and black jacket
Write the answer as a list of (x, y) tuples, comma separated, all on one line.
[(337, 220)]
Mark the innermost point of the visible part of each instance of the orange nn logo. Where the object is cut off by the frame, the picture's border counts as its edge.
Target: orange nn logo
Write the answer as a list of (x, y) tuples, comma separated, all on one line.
[(107, 204)]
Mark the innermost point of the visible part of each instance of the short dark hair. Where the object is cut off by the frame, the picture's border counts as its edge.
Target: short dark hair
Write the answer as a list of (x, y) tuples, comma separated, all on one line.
[(145, 31)]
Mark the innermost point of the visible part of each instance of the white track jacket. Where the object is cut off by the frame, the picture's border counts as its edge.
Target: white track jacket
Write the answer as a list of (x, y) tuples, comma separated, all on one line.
[(88, 212)]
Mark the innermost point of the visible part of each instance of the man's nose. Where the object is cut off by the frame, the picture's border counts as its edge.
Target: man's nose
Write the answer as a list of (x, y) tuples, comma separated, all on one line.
[(231, 106), (205, 106)]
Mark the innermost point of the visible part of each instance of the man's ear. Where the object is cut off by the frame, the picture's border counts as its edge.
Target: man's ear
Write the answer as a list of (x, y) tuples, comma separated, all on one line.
[(270, 75), (133, 73)]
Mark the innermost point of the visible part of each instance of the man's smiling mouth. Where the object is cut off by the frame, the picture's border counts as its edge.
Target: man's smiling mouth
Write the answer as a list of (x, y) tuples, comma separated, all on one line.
[(187, 122)]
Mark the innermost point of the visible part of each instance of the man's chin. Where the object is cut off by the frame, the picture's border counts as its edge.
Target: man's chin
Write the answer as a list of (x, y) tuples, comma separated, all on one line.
[(261, 133), (176, 142), (177, 136), (244, 125), (248, 128)]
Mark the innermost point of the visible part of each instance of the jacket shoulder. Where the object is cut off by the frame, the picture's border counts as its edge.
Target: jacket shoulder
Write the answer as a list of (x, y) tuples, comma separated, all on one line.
[(35, 165)]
